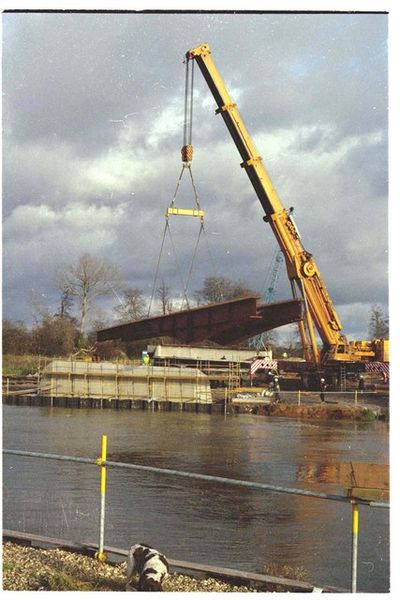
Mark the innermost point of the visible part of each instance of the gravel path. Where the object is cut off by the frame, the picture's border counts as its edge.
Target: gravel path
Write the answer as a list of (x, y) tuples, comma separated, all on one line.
[(26, 568)]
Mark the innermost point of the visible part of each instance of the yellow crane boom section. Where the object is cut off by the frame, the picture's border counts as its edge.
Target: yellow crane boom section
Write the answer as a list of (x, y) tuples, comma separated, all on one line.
[(304, 276), (300, 264)]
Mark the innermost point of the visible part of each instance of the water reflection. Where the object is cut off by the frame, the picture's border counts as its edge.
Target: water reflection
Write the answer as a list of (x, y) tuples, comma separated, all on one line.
[(198, 520)]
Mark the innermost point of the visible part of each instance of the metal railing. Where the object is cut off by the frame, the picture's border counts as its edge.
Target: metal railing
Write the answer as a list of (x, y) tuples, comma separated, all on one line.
[(103, 463), (301, 397)]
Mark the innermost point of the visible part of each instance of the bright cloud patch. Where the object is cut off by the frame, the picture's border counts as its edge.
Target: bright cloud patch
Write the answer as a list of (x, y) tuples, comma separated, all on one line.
[(42, 219)]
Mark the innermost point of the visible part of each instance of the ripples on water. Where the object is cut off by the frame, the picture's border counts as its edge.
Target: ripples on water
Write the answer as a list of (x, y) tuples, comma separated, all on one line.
[(197, 520)]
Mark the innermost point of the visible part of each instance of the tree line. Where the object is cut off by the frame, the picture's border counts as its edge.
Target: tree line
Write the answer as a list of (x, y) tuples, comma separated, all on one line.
[(74, 323), (80, 285)]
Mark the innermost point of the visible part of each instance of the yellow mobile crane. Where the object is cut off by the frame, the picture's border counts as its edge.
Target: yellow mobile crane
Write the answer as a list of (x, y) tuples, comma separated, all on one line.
[(304, 276)]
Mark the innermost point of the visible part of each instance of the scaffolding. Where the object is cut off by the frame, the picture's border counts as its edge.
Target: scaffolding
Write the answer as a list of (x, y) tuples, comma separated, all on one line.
[(106, 380)]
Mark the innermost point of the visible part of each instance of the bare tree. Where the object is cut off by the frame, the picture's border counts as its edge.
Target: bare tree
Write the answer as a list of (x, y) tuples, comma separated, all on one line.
[(88, 279), (133, 305), (164, 296), (66, 302), (294, 345), (219, 289), (17, 339), (55, 336), (378, 323), (39, 309)]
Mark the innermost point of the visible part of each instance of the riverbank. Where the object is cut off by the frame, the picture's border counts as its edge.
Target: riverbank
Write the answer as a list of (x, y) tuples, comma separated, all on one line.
[(333, 409), (35, 569), (323, 411)]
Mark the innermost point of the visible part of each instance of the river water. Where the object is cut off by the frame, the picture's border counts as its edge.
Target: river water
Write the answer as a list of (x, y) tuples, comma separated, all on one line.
[(195, 520)]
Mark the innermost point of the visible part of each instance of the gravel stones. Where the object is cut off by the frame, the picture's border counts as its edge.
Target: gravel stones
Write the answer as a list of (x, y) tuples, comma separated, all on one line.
[(35, 569)]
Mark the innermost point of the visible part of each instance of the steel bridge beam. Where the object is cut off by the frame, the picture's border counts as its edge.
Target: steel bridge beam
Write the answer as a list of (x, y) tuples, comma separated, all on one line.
[(224, 323)]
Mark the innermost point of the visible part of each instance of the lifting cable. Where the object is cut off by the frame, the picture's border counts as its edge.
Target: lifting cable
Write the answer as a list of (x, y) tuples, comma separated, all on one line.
[(187, 148), (187, 157)]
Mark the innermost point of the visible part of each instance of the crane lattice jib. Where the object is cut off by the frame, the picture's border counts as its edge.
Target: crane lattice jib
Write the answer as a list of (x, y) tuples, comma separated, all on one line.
[(300, 264)]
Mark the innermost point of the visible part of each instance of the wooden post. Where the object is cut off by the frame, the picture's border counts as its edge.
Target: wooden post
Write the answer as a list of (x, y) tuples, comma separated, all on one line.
[(101, 385)]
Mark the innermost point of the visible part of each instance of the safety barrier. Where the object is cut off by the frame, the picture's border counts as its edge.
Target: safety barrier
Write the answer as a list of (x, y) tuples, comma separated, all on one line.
[(301, 397), (103, 463)]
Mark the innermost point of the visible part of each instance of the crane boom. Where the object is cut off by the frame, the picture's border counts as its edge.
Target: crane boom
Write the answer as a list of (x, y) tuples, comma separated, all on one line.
[(305, 278)]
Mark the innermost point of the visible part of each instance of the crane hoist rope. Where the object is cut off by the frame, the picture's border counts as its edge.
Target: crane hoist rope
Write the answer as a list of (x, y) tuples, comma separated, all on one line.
[(187, 157), (187, 148)]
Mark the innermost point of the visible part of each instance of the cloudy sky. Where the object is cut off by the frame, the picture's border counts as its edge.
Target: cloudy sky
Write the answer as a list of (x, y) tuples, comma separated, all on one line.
[(92, 131)]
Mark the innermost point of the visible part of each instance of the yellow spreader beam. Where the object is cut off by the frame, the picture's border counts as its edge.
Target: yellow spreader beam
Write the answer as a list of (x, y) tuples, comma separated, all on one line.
[(187, 212)]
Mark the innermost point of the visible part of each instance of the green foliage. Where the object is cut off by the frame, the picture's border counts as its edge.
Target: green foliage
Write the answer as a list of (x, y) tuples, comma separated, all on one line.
[(62, 582), (367, 415), (20, 364), (81, 341)]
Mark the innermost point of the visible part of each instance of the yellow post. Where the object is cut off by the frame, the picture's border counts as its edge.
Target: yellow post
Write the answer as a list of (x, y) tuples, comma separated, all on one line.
[(355, 397), (101, 555), (298, 397), (354, 547)]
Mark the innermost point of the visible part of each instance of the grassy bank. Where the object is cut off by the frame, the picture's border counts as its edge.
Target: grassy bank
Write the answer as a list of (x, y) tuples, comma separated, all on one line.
[(20, 365)]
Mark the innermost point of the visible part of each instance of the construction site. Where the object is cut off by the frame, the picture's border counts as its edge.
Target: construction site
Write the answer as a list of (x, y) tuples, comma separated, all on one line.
[(230, 410), (329, 358), (200, 354)]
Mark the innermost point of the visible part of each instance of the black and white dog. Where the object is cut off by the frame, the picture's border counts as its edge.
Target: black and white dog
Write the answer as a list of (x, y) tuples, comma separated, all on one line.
[(151, 566)]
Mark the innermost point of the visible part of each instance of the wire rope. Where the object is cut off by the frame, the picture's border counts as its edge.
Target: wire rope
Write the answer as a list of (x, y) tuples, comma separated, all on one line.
[(213, 262), (191, 105), (178, 267), (177, 186), (185, 122), (187, 153), (158, 267), (188, 105), (192, 262), (194, 188)]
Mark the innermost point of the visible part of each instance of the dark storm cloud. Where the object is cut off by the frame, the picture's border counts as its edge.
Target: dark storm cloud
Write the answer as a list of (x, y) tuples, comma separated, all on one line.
[(71, 73), (92, 115)]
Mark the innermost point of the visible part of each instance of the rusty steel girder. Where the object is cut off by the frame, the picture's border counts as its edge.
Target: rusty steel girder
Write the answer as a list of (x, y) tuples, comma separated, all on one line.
[(224, 323)]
